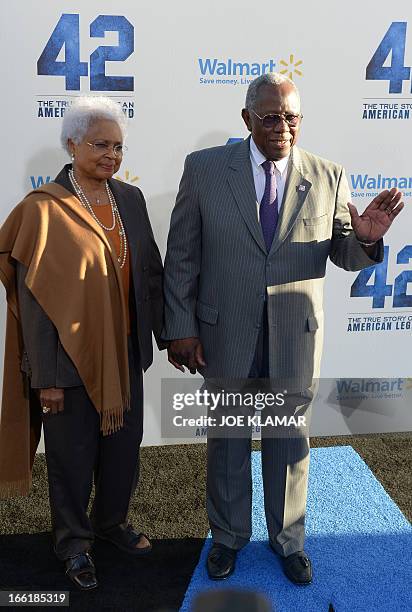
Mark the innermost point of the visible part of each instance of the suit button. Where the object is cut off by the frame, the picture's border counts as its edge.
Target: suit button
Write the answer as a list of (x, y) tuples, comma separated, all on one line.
[(145, 268), (147, 298)]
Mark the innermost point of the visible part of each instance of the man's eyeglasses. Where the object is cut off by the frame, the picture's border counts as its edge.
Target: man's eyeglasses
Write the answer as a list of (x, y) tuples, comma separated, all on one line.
[(269, 121), (103, 148)]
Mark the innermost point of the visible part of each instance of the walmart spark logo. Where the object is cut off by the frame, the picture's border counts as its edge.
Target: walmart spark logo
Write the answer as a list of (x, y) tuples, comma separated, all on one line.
[(291, 66), (127, 177)]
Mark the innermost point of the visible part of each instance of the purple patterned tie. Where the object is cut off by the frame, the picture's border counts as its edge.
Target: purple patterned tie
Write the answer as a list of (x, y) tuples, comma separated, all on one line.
[(268, 212)]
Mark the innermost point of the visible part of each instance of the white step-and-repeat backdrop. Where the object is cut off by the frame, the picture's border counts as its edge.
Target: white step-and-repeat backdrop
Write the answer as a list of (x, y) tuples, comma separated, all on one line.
[(180, 71)]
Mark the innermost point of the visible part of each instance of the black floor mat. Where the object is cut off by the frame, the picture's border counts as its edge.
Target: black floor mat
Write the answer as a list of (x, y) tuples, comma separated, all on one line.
[(154, 582)]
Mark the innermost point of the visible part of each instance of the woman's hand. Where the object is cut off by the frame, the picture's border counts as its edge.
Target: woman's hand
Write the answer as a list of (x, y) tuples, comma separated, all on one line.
[(53, 399)]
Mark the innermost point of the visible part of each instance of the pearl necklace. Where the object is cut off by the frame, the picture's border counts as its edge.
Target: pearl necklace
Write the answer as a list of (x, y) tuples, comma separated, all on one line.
[(115, 212)]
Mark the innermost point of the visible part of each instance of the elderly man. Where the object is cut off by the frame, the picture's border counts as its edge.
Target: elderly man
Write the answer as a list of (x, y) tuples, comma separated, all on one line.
[(250, 234)]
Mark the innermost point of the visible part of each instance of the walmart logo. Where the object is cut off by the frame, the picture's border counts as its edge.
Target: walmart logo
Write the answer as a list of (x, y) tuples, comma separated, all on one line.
[(368, 387), (127, 178), (380, 181), (291, 67), (38, 181), (230, 67), (229, 71)]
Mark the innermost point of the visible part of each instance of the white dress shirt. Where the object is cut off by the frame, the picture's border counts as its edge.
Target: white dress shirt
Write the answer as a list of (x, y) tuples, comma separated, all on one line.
[(259, 176)]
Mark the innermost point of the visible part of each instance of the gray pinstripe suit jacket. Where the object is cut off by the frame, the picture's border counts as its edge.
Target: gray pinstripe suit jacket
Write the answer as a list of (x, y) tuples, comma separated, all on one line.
[(218, 271)]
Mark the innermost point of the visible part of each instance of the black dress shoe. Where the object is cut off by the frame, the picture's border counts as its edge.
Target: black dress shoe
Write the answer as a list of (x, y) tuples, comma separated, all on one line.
[(221, 562), (81, 571), (298, 567)]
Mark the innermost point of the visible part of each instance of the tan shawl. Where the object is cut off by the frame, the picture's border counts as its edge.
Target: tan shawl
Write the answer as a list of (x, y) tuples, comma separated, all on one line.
[(75, 277)]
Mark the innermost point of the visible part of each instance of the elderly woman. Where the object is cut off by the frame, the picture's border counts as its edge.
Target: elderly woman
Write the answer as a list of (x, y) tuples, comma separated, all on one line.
[(83, 277)]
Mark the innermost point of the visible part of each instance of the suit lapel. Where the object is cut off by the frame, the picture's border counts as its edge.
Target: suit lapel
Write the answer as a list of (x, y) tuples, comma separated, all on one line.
[(241, 182), (296, 191)]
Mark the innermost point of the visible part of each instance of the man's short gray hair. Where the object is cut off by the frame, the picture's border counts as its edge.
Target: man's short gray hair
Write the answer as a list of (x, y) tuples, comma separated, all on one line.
[(269, 78), (83, 112)]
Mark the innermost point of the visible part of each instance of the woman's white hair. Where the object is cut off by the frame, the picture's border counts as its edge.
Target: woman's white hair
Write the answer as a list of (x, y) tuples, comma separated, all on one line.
[(83, 112)]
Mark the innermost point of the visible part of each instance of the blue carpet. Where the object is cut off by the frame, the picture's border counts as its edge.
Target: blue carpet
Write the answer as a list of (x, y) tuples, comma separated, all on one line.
[(359, 542)]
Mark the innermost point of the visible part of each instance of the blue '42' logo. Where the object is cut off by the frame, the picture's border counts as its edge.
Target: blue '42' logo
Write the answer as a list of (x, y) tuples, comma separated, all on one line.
[(379, 289), (393, 42), (66, 34)]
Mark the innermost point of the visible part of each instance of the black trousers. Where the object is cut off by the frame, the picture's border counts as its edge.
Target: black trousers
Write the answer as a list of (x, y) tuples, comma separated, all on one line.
[(76, 451)]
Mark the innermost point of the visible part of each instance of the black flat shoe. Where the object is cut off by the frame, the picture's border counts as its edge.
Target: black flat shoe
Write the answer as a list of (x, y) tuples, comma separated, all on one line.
[(298, 567), (81, 571), (126, 539), (221, 562)]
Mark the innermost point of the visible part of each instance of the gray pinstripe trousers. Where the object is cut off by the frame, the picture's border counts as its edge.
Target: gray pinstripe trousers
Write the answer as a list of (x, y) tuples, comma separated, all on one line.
[(285, 466)]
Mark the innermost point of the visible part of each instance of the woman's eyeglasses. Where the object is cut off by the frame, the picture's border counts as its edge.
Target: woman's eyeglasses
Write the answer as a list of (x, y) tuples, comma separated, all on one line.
[(103, 148)]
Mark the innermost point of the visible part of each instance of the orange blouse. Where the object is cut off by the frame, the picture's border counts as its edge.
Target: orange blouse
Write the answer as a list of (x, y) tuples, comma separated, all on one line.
[(104, 213)]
